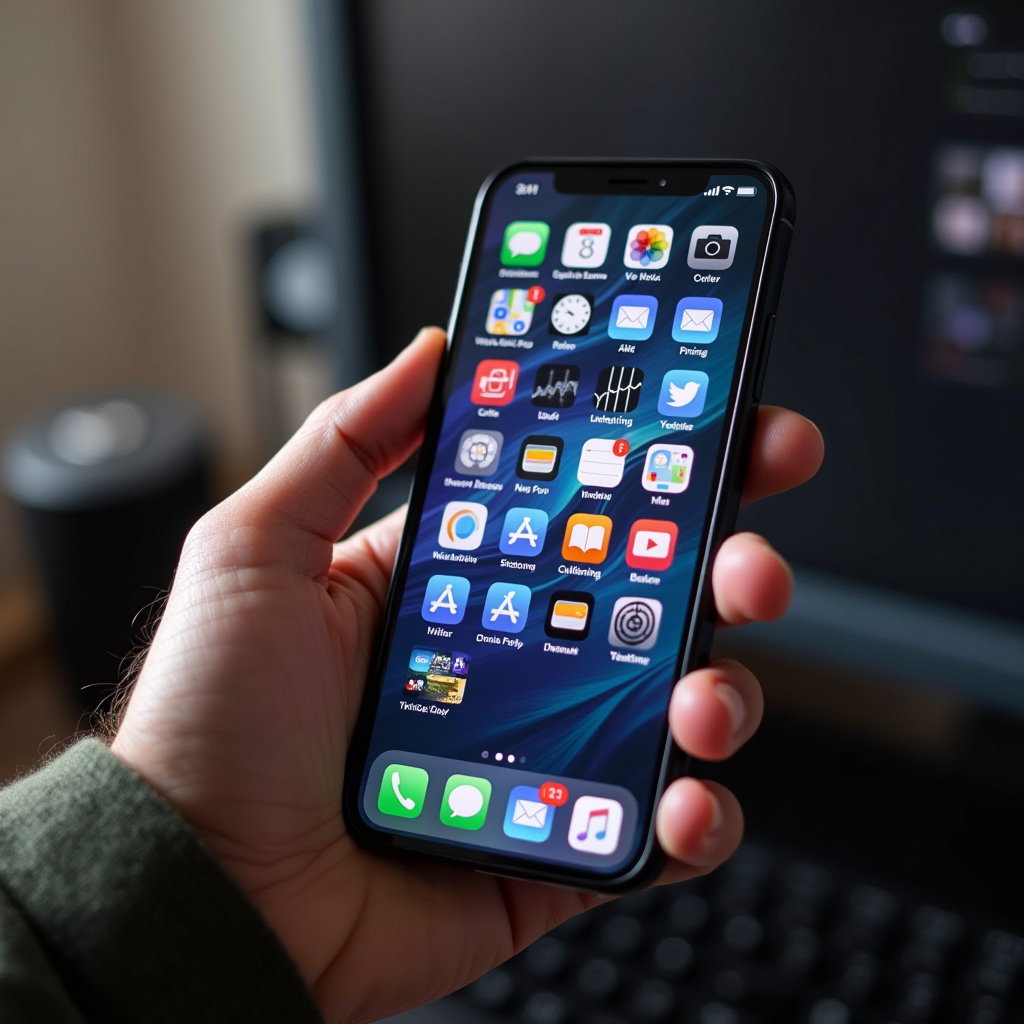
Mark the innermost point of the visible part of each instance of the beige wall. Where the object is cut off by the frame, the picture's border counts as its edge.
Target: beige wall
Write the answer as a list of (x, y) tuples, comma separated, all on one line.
[(138, 141)]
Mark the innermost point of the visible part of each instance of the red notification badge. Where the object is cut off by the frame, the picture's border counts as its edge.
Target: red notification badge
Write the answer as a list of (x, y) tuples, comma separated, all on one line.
[(620, 448), (554, 794), (535, 294)]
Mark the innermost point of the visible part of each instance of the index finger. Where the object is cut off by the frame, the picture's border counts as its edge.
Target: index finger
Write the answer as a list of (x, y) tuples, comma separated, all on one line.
[(786, 451)]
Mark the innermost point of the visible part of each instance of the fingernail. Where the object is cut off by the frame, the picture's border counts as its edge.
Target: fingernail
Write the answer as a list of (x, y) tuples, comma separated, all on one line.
[(717, 815), (734, 704)]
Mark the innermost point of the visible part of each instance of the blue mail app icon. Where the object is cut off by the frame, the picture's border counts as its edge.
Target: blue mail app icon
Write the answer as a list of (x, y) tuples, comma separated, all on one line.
[(526, 817)]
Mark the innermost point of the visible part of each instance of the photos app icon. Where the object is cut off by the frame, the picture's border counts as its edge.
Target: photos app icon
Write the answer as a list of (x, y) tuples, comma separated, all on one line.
[(648, 246)]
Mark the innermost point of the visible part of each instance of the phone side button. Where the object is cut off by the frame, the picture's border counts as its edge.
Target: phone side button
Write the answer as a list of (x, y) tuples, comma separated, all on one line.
[(769, 333)]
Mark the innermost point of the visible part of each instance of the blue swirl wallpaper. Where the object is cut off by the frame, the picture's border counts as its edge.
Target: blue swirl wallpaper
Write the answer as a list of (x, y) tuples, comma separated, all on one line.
[(545, 422)]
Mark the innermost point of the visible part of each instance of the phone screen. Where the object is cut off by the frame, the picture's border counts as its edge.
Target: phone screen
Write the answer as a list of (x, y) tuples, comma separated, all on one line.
[(546, 594)]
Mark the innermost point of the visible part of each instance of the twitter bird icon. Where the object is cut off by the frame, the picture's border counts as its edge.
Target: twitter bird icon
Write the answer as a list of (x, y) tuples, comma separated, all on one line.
[(683, 393)]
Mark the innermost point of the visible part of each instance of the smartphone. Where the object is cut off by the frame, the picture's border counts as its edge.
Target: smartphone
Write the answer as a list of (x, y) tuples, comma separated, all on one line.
[(582, 463)]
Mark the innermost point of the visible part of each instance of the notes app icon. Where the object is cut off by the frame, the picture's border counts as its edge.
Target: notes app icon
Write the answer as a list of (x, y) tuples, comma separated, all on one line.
[(596, 825), (586, 538)]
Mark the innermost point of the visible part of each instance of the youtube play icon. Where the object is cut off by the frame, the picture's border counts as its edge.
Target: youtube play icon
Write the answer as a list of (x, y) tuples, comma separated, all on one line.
[(652, 544)]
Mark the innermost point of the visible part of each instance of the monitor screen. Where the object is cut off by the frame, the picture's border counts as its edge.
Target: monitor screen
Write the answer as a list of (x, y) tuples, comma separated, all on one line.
[(901, 327)]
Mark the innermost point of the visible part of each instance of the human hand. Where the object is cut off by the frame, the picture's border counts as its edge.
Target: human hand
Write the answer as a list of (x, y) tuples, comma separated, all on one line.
[(245, 706)]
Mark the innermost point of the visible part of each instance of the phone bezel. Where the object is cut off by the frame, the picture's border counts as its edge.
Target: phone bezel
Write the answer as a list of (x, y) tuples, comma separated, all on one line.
[(729, 472)]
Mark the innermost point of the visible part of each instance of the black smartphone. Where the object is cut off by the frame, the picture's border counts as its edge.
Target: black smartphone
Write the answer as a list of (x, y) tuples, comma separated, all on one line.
[(583, 461)]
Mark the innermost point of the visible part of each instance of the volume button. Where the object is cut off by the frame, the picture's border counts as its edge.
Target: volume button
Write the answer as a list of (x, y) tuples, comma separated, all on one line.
[(762, 368)]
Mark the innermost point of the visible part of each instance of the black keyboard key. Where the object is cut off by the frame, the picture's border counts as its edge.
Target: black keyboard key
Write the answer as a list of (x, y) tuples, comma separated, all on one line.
[(798, 914), (750, 862), (689, 914), (545, 1008), (731, 986), (1002, 956), (804, 896), (801, 950), (494, 990), (873, 908), (808, 883), (860, 976), (920, 999), (743, 934), (674, 956), (934, 934), (546, 958), (829, 1011), (598, 978), (717, 1013), (987, 1009), (654, 1000), (937, 927), (622, 936), (739, 895), (744, 879), (871, 912)]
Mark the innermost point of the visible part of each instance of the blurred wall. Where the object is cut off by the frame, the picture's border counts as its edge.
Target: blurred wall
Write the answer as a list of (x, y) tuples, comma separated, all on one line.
[(140, 141)]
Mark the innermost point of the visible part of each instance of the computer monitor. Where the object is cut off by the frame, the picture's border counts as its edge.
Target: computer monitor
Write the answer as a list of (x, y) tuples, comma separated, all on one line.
[(901, 329)]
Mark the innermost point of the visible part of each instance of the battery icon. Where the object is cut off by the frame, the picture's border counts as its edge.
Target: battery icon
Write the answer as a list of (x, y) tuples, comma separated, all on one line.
[(746, 190)]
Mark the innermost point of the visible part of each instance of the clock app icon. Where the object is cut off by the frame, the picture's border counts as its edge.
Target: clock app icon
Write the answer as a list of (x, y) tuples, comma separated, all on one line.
[(571, 314)]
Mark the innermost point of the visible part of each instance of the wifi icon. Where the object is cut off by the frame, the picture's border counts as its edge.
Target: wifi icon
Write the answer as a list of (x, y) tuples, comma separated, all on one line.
[(728, 189)]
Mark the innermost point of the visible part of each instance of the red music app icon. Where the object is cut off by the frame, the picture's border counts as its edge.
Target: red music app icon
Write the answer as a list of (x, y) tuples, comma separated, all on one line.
[(596, 825), (495, 382)]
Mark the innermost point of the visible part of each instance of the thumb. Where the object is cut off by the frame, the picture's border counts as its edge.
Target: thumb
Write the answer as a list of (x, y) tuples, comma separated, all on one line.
[(317, 483)]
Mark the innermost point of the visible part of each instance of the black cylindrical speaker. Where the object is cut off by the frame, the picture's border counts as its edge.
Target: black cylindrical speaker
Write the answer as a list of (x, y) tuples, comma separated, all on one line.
[(110, 487)]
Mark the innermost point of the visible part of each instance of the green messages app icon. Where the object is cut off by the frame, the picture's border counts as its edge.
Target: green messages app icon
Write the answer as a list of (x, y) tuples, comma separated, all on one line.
[(465, 801), (525, 243), (402, 791)]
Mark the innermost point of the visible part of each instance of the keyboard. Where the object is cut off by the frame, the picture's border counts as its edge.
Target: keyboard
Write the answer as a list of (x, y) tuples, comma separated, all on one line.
[(766, 938)]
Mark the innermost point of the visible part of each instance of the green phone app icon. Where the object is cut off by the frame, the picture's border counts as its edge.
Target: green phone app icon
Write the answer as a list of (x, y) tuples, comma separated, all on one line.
[(465, 801), (402, 791), (525, 243)]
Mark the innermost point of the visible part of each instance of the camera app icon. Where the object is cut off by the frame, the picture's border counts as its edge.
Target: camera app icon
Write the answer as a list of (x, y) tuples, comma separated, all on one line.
[(712, 247)]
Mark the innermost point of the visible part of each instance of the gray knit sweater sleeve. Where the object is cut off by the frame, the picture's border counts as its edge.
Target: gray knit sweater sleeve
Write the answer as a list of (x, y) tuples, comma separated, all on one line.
[(111, 909)]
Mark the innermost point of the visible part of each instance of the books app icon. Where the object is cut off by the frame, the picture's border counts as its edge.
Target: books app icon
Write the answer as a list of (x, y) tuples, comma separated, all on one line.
[(586, 538)]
